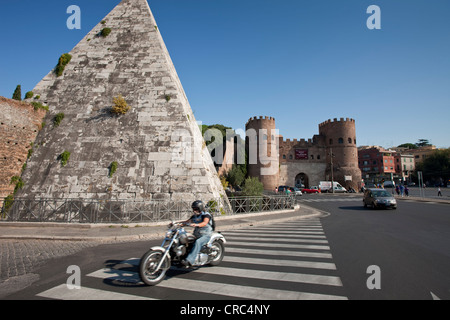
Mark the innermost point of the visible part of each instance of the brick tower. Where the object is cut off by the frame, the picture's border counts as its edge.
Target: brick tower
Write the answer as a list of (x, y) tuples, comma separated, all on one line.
[(340, 140), (262, 148), (156, 146)]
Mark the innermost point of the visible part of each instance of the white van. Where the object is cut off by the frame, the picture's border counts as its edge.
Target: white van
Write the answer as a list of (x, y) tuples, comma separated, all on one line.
[(325, 186)]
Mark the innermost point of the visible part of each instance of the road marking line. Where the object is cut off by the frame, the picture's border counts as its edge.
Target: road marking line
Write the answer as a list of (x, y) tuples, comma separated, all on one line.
[(278, 245), (243, 291), (273, 239), (273, 275), (282, 263), (61, 292), (278, 232), (280, 253)]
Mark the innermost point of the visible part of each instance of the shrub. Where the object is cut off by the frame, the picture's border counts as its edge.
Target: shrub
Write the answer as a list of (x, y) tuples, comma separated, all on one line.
[(112, 168), (7, 203), (64, 157), (63, 61), (58, 118), (252, 187), (120, 106), (105, 32), (38, 105), (18, 182), (29, 95)]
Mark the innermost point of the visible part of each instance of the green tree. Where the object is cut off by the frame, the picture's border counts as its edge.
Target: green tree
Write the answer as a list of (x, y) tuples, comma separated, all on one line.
[(408, 145), (236, 176), (252, 187), (423, 143), (436, 167), (17, 95)]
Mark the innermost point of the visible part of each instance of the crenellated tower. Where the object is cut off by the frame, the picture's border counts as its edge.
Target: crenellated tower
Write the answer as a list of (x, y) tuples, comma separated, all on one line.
[(262, 150), (340, 141)]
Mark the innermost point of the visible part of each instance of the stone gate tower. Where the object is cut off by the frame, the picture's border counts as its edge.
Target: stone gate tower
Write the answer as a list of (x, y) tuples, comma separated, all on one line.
[(156, 147), (262, 150), (340, 140)]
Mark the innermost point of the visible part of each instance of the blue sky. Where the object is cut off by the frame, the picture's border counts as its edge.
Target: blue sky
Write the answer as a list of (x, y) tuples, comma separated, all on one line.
[(300, 61)]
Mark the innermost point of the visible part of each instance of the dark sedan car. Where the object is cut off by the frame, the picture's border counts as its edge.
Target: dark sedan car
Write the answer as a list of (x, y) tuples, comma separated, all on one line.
[(379, 198)]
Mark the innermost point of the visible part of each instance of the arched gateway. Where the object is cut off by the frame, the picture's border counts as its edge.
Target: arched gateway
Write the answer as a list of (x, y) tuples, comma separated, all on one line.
[(301, 180)]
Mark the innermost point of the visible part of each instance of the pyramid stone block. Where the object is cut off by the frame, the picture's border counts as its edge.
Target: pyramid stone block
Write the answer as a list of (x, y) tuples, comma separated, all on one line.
[(157, 145)]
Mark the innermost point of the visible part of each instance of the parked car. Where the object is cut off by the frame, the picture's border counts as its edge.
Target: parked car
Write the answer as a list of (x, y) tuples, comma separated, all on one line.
[(379, 198), (296, 191), (282, 188), (310, 190)]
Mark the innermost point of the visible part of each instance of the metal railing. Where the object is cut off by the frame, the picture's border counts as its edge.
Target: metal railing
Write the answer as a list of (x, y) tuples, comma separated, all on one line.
[(127, 211), (261, 204)]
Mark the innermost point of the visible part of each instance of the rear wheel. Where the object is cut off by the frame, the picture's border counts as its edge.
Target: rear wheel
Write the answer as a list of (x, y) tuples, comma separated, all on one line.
[(149, 263), (217, 252)]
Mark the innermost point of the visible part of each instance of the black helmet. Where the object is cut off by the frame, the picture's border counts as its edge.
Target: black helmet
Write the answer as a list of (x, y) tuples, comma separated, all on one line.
[(198, 205)]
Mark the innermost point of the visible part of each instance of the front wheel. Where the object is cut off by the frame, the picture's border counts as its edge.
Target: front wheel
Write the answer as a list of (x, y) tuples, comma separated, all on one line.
[(149, 263), (217, 252)]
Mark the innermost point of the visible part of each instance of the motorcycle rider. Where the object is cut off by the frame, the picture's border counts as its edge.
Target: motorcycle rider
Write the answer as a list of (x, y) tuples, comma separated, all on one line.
[(201, 220)]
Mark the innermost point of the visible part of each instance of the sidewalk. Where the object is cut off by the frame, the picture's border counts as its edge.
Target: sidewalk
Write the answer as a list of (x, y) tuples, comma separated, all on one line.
[(444, 200), (136, 231)]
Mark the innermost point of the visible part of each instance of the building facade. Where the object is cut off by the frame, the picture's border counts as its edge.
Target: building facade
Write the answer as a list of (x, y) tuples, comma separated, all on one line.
[(330, 155), (377, 164)]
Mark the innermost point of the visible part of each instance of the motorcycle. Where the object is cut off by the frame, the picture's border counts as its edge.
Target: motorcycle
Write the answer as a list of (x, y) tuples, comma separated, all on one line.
[(176, 246)]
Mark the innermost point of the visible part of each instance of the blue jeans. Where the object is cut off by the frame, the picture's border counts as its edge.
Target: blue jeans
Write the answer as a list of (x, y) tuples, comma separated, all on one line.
[(198, 245)]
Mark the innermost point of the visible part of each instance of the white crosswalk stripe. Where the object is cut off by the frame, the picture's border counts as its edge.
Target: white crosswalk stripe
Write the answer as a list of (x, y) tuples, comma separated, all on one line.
[(84, 293), (286, 261)]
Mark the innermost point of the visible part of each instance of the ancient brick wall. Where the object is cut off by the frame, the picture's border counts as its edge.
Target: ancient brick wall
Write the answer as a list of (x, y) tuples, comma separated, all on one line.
[(19, 126)]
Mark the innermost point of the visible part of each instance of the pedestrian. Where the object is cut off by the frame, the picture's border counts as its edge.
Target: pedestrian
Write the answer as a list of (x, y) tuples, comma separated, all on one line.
[(402, 189), (397, 189), (406, 191), (439, 192)]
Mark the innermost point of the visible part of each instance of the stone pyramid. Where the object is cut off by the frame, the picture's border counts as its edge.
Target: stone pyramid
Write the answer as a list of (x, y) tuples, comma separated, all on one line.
[(156, 146)]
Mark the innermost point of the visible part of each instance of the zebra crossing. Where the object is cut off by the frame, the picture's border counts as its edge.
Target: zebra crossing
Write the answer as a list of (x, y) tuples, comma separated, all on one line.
[(283, 261)]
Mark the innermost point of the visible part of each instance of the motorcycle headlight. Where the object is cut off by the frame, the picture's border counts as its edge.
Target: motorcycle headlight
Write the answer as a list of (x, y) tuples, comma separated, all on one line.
[(169, 234)]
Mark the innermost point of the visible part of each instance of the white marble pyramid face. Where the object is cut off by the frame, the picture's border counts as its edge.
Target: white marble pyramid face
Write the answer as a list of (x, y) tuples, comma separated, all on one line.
[(156, 144)]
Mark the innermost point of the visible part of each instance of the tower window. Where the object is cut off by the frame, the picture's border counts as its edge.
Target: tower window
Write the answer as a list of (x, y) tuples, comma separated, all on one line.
[(340, 140), (331, 141)]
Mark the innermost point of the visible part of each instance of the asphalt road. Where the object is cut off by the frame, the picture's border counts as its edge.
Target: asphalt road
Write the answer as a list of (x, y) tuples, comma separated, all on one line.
[(286, 260), (318, 258), (410, 246)]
